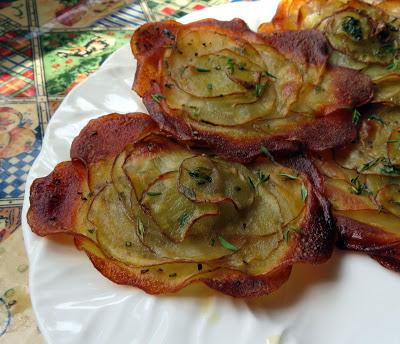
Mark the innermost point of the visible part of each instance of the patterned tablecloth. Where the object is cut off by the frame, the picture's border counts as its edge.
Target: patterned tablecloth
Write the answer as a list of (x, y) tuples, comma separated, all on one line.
[(46, 48)]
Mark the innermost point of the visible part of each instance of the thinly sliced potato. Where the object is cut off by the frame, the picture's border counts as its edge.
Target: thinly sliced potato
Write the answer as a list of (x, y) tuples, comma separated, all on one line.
[(365, 36), (149, 231), (220, 85)]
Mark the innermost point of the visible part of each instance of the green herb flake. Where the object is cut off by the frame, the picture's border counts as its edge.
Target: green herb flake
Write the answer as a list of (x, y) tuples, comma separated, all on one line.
[(357, 187), (319, 89), (168, 85), (91, 230), (231, 65), (288, 176), (259, 90), (395, 65), (270, 75), (290, 230), (226, 244), (376, 118), (251, 183), (352, 27), (144, 271), (370, 164), (174, 274), (262, 178), (212, 242), (267, 153), (203, 70), (128, 243), (303, 192), (157, 97), (183, 219), (390, 169), (151, 193), (202, 175), (140, 229), (355, 119), (168, 46), (209, 87)]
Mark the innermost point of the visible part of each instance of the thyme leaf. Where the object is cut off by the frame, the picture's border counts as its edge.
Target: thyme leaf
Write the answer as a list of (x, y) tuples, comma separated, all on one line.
[(226, 244)]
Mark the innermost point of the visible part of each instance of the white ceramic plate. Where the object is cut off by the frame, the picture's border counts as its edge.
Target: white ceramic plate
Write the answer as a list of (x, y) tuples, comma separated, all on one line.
[(351, 299)]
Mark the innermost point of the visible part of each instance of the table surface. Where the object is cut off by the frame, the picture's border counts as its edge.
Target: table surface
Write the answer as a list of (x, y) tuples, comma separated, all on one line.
[(46, 48)]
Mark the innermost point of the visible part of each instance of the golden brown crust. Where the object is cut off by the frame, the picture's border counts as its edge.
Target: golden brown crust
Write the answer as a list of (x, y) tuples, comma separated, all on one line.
[(304, 47), (57, 199), (108, 135)]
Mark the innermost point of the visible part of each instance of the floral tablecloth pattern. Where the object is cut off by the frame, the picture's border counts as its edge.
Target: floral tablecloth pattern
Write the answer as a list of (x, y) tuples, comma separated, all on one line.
[(47, 47)]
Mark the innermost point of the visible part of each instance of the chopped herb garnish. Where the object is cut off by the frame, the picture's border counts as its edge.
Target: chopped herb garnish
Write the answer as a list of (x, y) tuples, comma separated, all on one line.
[(169, 85), (352, 27), (168, 46), (357, 187), (270, 75), (195, 110), (174, 274), (262, 177), (376, 118), (395, 65), (289, 230), (259, 89), (199, 267), (91, 230), (267, 153), (288, 176), (237, 188), (202, 175), (183, 219), (144, 271), (209, 86), (355, 119), (390, 169), (227, 244), (212, 242), (151, 193), (370, 164), (251, 183), (231, 65), (395, 202), (157, 97), (140, 229), (319, 89), (128, 243), (203, 70), (303, 192)]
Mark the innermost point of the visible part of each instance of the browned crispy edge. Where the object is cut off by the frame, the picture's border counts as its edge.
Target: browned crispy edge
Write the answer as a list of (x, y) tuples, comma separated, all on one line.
[(380, 245), (55, 200), (341, 130), (336, 129)]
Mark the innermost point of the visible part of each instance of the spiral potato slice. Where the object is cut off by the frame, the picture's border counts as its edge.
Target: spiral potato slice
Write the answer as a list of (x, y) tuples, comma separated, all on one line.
[(220, 85), (140, 226), (364, 35), (362, 181)]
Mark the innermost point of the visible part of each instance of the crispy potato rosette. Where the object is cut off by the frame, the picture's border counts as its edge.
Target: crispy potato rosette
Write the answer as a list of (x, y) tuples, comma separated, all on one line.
[(220, 85), (362, 181), (364, 36), (151, 213)]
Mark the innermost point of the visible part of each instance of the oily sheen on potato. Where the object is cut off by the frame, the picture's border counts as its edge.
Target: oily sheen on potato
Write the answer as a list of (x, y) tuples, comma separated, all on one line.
[(220, 85), (363, 36), (152, 213)]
